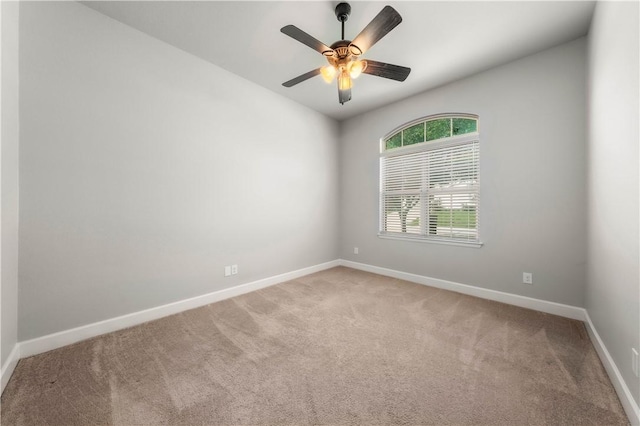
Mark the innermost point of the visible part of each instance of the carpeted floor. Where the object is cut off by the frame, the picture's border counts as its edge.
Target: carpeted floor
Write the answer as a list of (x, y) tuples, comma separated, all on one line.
[(336, 347)]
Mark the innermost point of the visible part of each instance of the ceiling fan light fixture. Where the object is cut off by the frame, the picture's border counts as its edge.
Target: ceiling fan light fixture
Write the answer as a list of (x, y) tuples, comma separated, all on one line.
[(356, 68), (328, 72), (344, 80)]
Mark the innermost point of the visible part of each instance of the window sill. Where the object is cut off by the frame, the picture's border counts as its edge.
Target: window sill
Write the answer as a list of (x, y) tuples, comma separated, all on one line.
[(431, 241)]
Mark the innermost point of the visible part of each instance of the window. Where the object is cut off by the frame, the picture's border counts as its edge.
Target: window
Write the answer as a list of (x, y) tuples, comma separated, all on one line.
[(429, 180)]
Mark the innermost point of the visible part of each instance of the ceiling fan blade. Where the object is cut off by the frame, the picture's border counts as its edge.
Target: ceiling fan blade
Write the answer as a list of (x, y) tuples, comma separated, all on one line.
[(344, 95), (301, 78), (304, 38), (380, 26), (382, 69)]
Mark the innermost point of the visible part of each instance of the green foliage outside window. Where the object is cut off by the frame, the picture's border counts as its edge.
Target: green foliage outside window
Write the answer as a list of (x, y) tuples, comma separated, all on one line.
[(438, 129), (432, 130), (457, 218), (394, 141), (464, 125), (413, 134)]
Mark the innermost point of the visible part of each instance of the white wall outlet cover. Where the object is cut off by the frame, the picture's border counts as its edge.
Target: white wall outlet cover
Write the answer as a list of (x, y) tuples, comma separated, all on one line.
[(527, 277), (355, 250), (234, 269)]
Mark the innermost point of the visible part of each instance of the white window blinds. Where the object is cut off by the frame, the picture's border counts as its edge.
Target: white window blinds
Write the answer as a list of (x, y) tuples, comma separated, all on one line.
[(430, 190)]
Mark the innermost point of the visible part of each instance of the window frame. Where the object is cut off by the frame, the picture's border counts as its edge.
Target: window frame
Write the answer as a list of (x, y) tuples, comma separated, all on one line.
[(425, 146)]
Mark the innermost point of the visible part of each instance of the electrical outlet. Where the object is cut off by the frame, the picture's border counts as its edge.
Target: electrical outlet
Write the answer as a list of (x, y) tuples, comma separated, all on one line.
[(634, 361), (355, 250), (527, 278), (234, 269), (227, 271)]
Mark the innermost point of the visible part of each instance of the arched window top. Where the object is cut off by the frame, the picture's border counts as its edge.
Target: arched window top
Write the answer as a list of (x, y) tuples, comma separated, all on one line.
[(431, 128)]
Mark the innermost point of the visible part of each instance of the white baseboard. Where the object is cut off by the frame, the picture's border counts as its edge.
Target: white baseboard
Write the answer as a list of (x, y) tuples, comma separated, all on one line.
[(67, 337), (9, 365), (628, 403), (566, 311)]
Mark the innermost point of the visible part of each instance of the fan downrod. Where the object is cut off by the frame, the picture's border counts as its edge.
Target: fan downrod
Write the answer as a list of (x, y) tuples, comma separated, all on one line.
[(343, 10)]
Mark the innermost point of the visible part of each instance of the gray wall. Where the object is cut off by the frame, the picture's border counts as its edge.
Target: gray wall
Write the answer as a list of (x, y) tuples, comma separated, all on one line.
[(532, 199), (9, 176), (612, 291), (144, 170)]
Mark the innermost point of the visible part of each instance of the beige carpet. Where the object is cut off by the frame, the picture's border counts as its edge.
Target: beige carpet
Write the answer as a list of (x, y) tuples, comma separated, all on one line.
[(337, 347)]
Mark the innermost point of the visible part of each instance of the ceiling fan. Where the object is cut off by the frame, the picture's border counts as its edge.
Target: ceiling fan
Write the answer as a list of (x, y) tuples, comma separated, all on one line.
[(343, 55)]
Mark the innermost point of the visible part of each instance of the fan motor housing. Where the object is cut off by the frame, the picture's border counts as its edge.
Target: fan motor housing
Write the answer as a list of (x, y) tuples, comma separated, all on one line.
[(341, 47)]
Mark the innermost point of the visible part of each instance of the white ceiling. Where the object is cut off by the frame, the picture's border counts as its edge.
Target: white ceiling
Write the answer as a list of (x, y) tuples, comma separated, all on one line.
[(440, 41)]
